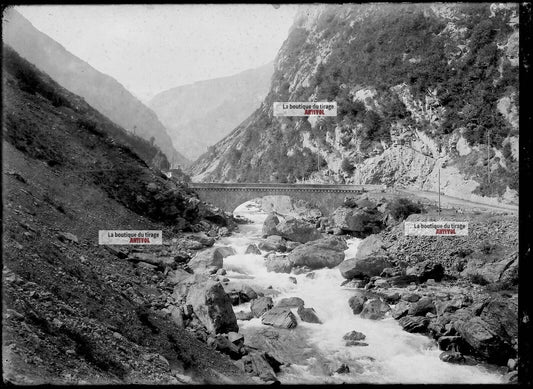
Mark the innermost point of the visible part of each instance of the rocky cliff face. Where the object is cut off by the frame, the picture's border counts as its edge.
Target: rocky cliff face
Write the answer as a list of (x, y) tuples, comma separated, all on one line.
[(101, 91), (200, 114), (418, 88)]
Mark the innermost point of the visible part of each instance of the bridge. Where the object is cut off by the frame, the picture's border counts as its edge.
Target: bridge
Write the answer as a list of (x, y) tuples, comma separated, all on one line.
[(325, 197)]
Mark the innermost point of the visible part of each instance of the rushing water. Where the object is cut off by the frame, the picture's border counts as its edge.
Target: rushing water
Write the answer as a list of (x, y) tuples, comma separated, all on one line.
[(392, 355)]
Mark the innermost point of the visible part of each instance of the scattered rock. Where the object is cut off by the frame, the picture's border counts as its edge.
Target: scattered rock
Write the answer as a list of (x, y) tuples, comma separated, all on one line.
[(152, 259), (116, 251), (370, 247), (411, 297), (261, 305), (425, 270), (452, 357), (242, 315), (354, 335), (414, 324), (252, 249), (422, 307), (356, 303), (343, 369), (278, 263), (213, 307), (391, 297), (327, 252), (292, 245), (355, 343), (374, 309), (366, 267), (67, 237), (293, 280), (403, 281), (297, 230), (256, 364), (360, 220), (273, 243), (205, 259), (226, 251), (290, 302), (176, 276), (269, 225), (279, 317), (308, 315), (477, 333), (203, 239)]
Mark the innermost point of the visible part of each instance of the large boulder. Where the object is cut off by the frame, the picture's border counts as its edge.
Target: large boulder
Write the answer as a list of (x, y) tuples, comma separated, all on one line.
[(252, 249), (213, 307), (501, 314), (273, 243), (422, 307), (261, 305), (365, 267), (357, 302), (279, 317), (278, 263), (290, 302), (297, 230), (415, 324), (363, 221), (374, 309), (207, 259), (270, 224), (153, 259), (256, 363), (426, 270), (484, 341), (308, 315), (326, 252), (226, 251), (370, 246)]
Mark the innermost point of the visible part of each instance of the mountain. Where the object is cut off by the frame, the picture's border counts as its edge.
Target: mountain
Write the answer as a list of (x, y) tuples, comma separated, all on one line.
[(89, 309), (100, 90), (421, 89), (200, 114)]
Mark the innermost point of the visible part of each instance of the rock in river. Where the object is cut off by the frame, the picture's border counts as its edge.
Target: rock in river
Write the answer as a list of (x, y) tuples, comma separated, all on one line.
[(290, 302), (327, 252), (374, 309), (279, 317), (298, 230), (210, 258), (308, 315), (261, 305), (365, 267), (213, 307)]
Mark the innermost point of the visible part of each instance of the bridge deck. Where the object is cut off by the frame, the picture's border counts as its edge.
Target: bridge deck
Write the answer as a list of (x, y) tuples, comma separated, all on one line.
[(284, 187)]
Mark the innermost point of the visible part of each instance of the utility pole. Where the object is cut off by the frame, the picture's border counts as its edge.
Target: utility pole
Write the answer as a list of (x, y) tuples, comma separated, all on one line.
[(488, 157), (439, 188)]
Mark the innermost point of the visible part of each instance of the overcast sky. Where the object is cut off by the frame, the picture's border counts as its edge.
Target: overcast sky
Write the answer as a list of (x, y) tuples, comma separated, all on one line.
[(151, 48)]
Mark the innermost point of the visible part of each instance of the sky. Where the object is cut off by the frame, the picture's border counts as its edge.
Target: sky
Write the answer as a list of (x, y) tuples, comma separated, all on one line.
[(151, 48)]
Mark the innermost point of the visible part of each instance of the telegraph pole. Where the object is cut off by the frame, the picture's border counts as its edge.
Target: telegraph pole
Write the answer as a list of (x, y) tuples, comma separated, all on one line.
[(488, 157), (439, 188)]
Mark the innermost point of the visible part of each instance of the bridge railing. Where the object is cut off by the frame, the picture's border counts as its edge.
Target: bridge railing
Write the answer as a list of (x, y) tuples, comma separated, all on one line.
[(270, 186)]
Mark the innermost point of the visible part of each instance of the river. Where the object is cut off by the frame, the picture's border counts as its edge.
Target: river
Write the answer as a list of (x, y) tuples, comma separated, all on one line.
[(316, 350)]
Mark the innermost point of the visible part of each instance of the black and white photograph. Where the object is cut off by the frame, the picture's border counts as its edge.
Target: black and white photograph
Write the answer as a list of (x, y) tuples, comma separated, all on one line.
[(255, 194)]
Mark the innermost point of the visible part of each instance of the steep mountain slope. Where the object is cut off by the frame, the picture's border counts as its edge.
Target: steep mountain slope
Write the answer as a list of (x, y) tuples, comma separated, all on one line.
[(74, 311), (200, 114), (100, 90), (418, 86)]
